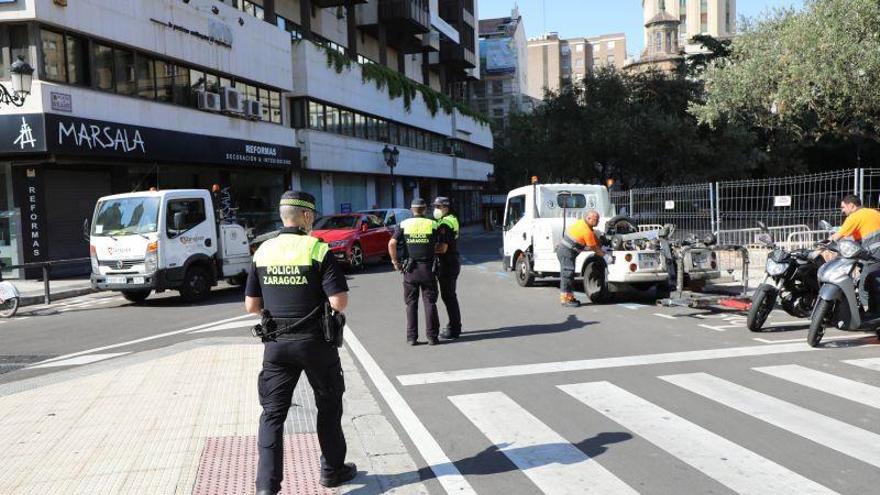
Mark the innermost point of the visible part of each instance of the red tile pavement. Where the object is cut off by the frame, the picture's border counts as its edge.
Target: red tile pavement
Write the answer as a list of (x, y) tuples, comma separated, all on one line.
[(228, 466)]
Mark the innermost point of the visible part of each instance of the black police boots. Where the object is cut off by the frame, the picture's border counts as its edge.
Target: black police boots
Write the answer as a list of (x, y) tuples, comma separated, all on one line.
[(339, 476)]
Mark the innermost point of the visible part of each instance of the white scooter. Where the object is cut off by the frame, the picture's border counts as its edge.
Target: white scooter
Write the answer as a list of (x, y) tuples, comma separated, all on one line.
[(9, 298), (840, 303)]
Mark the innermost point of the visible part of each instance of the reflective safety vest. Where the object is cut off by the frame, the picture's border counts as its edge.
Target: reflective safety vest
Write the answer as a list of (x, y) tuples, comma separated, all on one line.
[(289, 270), (452, 222), (420, 237)]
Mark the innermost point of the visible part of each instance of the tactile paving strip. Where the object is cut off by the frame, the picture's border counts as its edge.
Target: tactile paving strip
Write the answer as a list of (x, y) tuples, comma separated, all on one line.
[(228, 466)]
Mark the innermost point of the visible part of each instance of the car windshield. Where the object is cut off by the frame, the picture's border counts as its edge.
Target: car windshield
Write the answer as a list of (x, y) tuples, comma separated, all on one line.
[(378, 213), (126, 216), (336, 222)]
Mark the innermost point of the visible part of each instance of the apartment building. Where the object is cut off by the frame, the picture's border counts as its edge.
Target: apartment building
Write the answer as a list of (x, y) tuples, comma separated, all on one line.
[(716, 18), (554, 62), (256, 96), (503, 84)]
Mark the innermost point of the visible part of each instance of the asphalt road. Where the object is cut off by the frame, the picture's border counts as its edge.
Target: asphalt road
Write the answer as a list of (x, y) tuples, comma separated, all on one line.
[(534, 398)]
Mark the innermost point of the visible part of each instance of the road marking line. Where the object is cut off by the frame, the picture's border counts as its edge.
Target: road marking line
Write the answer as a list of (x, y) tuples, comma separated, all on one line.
[(600, 363), (447, 474), (710, 327), (825, 339), (90, 358), (869, 363), (668, 317), (550, 462), (229, 326), (827, 432), (732, 465), (144, 339), (631, 306), (862, 393)]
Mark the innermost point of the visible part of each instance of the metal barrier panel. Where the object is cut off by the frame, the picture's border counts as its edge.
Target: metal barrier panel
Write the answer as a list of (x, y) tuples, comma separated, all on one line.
[(620, 200), (798, 200), (688, 207), (869, 187)]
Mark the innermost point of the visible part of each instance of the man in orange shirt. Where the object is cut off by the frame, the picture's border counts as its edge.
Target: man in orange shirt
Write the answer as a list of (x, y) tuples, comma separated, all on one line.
[(863, 225), (579, 237)]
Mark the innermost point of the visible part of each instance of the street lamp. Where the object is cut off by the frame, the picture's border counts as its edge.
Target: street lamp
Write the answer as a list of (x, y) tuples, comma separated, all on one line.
[(391, 156), (22, 77)]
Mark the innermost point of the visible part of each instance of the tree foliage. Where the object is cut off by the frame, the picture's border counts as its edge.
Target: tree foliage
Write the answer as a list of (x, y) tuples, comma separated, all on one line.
[(810, 75), (633, 128)]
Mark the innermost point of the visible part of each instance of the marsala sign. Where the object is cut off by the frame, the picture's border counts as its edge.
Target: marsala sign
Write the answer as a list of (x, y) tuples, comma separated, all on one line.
[(75, 136)]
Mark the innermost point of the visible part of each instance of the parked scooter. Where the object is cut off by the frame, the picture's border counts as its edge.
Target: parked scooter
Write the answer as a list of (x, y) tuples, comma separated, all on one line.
[(843, 281), (791, 278)]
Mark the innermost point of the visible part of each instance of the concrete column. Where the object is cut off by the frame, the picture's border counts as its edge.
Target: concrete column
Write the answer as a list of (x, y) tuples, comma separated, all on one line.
[(305, 18), (371, 192), (351, 25), (269, 11), (327, 196), (383, 46)]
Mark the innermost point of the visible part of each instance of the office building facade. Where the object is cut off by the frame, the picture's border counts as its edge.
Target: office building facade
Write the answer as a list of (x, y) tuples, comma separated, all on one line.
[(554, 62)]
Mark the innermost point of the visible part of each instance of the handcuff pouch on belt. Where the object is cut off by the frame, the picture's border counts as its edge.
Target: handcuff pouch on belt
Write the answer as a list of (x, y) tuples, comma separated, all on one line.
[(407, 265), (331, 322)]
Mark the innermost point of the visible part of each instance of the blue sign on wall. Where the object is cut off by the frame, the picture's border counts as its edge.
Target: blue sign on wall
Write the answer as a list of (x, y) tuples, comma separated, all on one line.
[(345, 208)]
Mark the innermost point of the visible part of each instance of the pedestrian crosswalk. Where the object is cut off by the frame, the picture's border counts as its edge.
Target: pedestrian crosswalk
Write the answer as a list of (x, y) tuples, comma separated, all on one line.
[(556, 466)]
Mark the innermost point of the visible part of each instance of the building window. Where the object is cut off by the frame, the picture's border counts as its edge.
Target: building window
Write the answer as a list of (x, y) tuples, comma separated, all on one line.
[(497, 87), (52, 45), (727, 27), (289, 26), (103, 67), (579, 63), (275, 101), (704, 16), (579, 47), (316, 116), (333, 119), (611, 45), (77, 60), (146, 78), (267, 105), (181, 85), (595, 62), (212, 83), (126, 82), (610, 60), (19, 45), (658, 42)]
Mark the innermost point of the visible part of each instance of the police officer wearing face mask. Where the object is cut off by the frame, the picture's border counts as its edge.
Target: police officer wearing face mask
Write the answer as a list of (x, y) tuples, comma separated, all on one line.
[(449, 265), (292, 277), (418, 238)]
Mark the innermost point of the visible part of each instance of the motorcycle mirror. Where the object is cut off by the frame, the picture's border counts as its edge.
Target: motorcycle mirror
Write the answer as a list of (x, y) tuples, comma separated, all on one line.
[(763, 226), (824, 225)]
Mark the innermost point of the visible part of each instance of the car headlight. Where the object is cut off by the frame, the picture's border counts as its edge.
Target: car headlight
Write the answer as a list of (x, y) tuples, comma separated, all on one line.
[(336, 244), (775, 268), (151, 260), (848, 248)]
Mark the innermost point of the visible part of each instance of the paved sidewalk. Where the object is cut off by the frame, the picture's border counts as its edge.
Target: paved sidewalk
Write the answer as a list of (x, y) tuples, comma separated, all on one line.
[(33, 291), (181, 420)]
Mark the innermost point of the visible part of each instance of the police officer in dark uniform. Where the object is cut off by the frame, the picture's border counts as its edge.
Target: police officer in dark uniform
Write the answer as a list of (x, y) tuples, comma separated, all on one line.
[(292, 277), (449, 265), (418, 238)]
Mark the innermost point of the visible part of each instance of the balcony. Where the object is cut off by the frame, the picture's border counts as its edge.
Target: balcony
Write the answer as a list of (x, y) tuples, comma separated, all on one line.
[(456, 56), (406, 17), (334, 3)]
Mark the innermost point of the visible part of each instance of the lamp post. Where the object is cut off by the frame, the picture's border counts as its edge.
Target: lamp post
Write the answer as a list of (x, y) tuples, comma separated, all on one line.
[(22, 78), (391, 156)]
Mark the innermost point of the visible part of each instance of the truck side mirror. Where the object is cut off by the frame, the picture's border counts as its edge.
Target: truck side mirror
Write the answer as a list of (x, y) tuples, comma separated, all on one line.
[(179, 220), (86, 229)]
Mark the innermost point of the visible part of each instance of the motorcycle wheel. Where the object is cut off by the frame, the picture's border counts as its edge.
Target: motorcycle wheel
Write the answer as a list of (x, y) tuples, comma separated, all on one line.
[(9, 307), (817, 322), (762, 304)]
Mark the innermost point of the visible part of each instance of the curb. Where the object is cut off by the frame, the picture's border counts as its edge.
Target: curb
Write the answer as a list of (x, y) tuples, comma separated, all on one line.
[(55, 296)]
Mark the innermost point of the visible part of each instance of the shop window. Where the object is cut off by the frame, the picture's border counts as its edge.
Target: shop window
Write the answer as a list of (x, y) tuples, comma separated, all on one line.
[(193, 214), (316, 116), (267, 105), (52, 45), (126, 82), (146, 77), (103, 67), (77, 60), (275, 100)]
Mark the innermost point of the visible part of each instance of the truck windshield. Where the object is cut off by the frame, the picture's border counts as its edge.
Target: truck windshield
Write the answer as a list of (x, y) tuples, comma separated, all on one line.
[(126, 216)]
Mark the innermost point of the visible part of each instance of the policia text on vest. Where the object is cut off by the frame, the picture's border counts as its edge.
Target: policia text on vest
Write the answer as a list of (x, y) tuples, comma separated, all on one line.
[(293, 277)]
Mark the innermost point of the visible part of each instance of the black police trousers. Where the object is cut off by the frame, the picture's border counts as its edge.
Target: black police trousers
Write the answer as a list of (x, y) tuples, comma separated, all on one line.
[(421, 278), (450, 268), (283, 363)]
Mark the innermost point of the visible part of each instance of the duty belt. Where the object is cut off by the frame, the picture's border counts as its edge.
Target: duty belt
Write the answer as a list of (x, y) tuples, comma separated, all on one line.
[(291, 326), (571, 243)]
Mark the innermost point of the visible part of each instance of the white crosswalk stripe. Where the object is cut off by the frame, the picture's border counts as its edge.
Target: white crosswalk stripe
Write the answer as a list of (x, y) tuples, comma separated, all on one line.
[(554, 465), (730, 464), (829, 432), (828, 383), (870, 363)]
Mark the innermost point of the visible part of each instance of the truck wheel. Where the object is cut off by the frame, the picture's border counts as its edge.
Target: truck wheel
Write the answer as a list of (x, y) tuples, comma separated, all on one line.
[(594, 282), (136, 296), (524, 275), (196, 284)]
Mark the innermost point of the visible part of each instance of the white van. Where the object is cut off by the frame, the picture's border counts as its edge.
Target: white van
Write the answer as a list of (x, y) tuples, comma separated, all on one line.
[(536, 216)]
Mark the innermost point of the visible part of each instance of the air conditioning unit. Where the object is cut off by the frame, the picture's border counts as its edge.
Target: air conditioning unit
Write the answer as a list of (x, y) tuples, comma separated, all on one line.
[(253, 109), (208, 101), (231, 100)]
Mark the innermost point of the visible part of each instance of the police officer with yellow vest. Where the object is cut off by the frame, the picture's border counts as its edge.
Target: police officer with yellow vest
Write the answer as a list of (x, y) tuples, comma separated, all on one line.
[(418, 238), (291, 279), (449, 266)]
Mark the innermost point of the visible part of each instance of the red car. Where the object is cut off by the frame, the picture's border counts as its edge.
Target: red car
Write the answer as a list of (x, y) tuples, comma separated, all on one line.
[(354, 238)]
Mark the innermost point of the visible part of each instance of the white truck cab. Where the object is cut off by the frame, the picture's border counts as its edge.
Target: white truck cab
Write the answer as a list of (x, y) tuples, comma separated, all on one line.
[(535, 218), (158, 240)]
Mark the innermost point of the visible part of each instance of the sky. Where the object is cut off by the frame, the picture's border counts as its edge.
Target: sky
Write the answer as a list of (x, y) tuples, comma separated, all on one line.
[(576, 18)]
